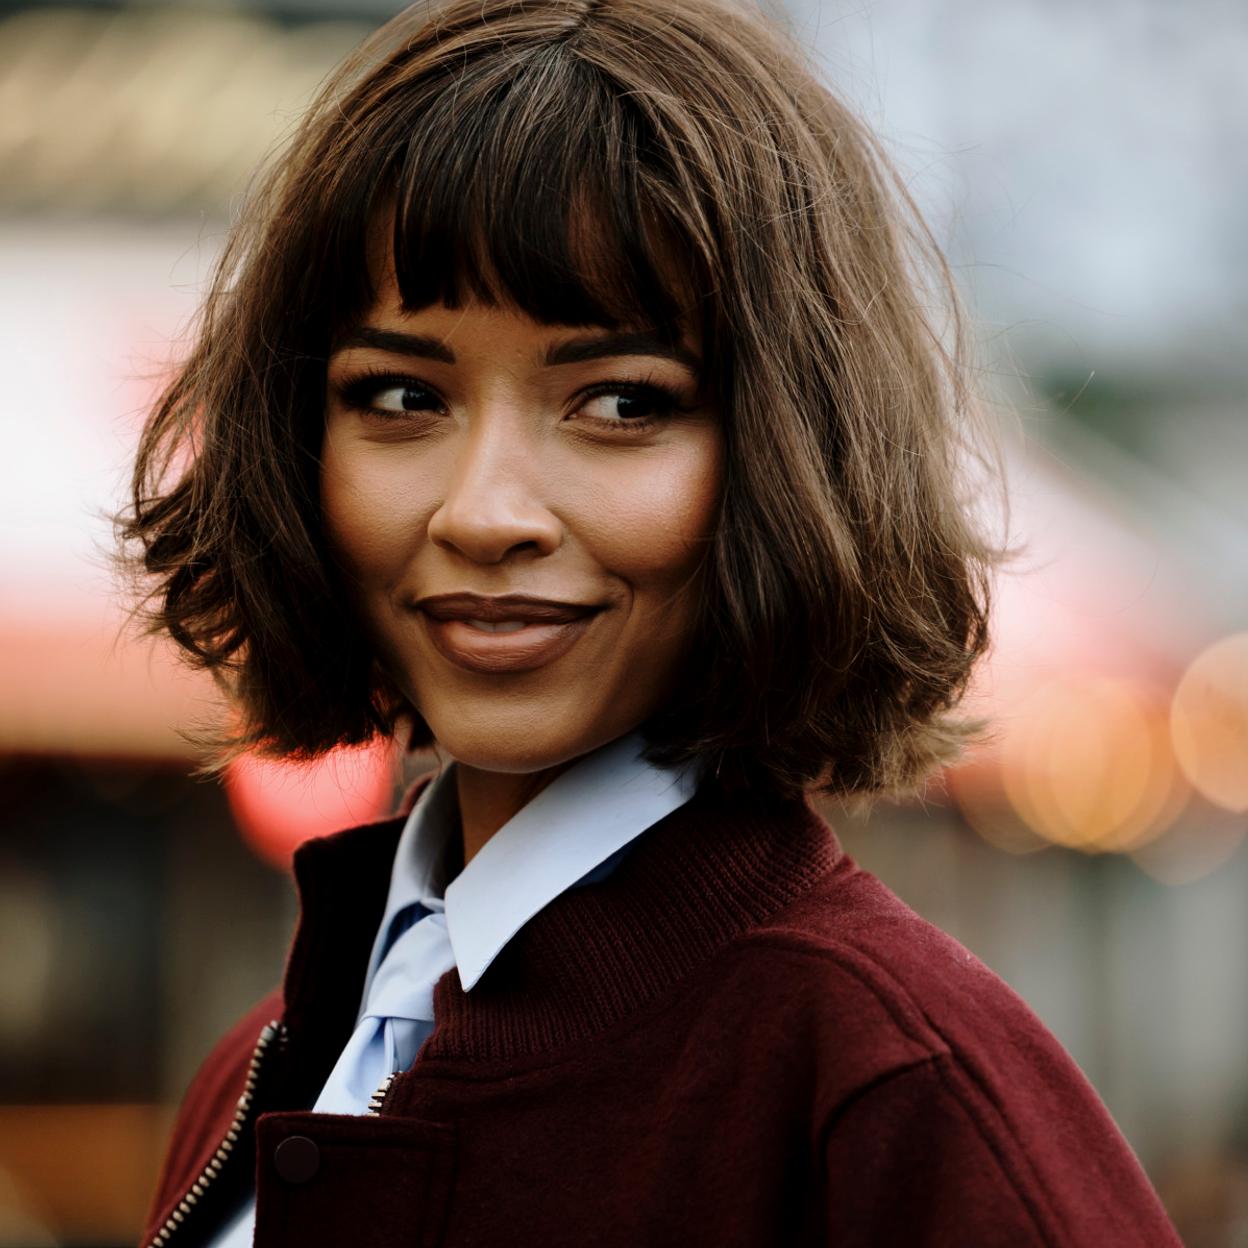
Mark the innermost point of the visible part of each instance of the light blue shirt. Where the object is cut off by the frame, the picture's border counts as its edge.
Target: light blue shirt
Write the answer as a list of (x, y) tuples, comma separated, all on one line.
[(572, 833)]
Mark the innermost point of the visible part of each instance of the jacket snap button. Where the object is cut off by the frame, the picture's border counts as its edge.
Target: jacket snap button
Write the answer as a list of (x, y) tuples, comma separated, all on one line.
[(297, 1158)]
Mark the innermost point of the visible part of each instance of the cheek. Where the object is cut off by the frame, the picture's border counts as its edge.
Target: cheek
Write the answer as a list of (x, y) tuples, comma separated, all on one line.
[(372, 513), (652, 525)]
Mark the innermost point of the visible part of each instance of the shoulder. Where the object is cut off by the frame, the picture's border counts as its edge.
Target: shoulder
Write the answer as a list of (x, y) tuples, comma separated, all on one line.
[(881, 973), (932, 1073), (886, 990)]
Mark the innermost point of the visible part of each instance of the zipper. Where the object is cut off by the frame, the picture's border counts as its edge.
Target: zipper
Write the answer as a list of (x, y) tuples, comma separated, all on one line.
[(268, 1033), (378, 1098)]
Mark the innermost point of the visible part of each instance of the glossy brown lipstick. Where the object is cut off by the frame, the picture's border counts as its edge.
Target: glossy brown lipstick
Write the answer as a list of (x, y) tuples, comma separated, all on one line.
[(520, 632)]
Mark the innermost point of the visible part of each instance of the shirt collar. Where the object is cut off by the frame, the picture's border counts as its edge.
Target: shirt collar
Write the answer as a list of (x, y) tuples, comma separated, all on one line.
[(588, 812)]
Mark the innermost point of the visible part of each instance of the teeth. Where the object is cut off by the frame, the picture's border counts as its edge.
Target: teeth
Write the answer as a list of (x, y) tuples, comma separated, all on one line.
[(497, 626)]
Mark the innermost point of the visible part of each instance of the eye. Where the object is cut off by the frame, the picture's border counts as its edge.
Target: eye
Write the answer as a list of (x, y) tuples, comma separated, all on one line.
[(405, 398), (629, 405), (388, 395)]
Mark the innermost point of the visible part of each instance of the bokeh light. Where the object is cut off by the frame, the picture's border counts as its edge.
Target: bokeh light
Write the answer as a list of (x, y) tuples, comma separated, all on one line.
[(1209, 723), (1087, 764), (279, 805), (976, 786), (1191, 850)]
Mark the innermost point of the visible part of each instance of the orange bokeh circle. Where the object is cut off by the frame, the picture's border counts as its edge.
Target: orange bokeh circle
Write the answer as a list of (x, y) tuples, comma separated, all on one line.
[(279, 805)]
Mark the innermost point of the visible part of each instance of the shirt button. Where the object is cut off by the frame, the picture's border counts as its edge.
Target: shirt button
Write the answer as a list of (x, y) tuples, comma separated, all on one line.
[(297, 1158)]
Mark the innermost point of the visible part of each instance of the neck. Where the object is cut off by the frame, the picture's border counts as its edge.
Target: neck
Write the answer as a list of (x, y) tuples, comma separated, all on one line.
[(488, 799)]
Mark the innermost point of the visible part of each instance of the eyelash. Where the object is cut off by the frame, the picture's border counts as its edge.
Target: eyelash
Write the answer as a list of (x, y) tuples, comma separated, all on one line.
[(355, 393)]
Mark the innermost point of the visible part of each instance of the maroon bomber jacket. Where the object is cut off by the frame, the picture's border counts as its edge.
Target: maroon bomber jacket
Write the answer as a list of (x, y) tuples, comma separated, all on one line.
[(739, 1038)]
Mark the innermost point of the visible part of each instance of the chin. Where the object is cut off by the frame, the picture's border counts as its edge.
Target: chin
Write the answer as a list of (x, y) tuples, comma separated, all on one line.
[(516, 745)]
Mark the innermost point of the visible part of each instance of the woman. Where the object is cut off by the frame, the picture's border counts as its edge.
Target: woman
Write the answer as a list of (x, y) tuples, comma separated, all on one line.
[(566, 398)]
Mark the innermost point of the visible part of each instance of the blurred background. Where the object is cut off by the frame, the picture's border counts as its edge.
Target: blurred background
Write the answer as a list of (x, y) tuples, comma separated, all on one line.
[(1083, 165)]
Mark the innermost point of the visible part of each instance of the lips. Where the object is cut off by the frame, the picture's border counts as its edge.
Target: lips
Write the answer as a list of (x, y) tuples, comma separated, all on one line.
[(498, 607), (548, 628)]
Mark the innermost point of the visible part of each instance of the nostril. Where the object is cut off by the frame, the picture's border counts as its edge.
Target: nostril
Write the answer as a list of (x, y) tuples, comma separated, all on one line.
[(488, 534)]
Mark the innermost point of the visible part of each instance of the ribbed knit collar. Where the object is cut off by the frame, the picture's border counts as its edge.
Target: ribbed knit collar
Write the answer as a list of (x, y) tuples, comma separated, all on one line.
[(701, 876), (591, 810)]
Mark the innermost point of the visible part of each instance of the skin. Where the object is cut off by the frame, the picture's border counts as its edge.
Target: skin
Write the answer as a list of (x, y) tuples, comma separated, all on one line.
[(497, 473)]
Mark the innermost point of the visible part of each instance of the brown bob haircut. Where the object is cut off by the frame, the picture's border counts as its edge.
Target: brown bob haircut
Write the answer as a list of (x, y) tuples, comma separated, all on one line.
[(846, 588)]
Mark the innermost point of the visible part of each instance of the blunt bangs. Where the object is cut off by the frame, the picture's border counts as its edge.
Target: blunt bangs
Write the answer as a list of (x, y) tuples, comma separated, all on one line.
[(525, 179)]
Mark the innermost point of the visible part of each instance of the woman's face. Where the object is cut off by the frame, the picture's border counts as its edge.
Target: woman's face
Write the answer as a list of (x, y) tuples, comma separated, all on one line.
[(473, 454)]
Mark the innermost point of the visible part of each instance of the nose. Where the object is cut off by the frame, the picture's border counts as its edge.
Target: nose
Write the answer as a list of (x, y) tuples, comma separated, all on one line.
[(493, 503)]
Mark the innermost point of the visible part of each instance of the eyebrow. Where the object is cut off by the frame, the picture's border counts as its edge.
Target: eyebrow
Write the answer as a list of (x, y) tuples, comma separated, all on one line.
[(421, 345), (577, 350), (570, 351)]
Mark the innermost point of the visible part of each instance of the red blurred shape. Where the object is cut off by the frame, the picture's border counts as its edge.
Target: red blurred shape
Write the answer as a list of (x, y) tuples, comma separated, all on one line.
[(279, 805)]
